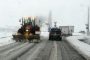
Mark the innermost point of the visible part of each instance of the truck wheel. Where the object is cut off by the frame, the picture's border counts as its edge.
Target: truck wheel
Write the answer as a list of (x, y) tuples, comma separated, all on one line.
[(60, 38), (49, 38)]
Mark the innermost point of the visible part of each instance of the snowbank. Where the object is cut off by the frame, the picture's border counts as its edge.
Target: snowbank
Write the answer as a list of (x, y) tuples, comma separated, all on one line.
[(77, 34), (81, 47), (87, 37)]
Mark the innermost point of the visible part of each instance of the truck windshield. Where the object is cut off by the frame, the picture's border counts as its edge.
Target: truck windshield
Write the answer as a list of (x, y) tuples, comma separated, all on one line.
[(29, 21), (55, 30)]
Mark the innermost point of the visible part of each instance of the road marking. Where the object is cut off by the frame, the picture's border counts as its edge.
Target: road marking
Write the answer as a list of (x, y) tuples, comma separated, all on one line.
[(59, 51), (33, 53), (55, 44), (54, 52), (36, 51)]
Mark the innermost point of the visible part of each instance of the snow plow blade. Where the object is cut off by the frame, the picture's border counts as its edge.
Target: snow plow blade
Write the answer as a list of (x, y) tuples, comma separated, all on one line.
[(30, 38)]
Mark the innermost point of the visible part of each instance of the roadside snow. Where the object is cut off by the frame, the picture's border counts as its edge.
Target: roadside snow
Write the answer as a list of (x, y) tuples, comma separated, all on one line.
[(87, 39), (5, 34), (81, 47), (5, 41), (78, 34), (5, 38)]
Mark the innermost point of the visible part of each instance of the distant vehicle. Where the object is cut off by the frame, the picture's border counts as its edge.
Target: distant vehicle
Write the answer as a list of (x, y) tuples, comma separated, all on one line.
[(55, 34), (67, 30), (29, 30)]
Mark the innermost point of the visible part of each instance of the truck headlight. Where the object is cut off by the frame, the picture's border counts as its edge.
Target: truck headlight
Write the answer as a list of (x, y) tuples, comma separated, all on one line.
[(26, 30)]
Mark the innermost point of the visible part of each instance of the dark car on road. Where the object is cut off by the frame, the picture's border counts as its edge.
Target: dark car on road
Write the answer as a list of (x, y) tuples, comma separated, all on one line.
[(55, 34)]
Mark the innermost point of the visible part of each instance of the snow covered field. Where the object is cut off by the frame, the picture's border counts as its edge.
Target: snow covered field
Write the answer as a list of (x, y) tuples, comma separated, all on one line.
[(5, 38)]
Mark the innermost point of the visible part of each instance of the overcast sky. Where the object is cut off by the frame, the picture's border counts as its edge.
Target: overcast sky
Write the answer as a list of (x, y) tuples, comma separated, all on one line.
[(65, 12)]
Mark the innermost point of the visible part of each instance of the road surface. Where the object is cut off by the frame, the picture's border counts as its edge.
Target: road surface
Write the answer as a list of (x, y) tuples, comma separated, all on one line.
[(45, 50)]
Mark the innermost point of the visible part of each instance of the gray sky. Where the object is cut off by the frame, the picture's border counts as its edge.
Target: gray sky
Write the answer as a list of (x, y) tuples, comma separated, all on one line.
[(65, 12)]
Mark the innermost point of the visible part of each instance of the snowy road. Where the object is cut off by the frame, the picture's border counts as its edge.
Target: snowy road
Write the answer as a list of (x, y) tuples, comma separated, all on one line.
[(45, 50), (67, 52)]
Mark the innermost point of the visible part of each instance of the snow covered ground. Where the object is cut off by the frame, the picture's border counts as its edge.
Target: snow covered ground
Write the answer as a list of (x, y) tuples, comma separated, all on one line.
[(5, 41), (82, 47), (87, 39), (5, 38), (6, 35)]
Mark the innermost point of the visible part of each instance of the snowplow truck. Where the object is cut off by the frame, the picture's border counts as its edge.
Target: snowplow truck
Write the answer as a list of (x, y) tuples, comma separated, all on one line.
[(29, 30)]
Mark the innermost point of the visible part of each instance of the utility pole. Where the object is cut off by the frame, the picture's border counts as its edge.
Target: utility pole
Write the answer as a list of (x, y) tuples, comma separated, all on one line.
[(88, 23), (50, 20), (55, 24)]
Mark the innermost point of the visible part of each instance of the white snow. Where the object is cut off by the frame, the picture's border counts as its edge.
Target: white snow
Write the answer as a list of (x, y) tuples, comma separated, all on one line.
[(45, 34), (5, 34), (87, 37), (77, 34), (6, 38), (44, 31), (81, 47), (5, 41)]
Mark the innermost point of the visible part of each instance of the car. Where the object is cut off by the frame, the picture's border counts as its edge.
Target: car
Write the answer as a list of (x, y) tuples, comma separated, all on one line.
[(55, 34)]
